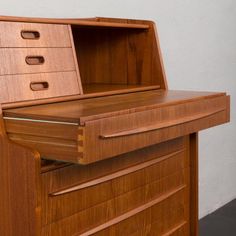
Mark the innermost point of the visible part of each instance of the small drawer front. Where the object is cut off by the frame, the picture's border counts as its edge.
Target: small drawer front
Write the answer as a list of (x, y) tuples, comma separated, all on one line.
[(15, 34), (123, 183), (38, 86), (127, 132), (35, 60)]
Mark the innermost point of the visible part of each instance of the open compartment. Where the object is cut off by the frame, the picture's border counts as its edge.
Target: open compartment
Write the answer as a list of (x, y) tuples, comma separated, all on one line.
[(118, 57)]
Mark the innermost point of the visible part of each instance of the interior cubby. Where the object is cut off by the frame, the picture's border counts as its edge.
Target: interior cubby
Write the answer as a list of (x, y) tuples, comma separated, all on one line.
[(111, 58)]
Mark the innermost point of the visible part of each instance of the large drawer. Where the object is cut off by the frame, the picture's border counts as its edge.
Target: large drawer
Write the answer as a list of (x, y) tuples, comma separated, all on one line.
[(35, 60), (100, 135), (160, 209), (123, 133), (91, 196), (15, 34)]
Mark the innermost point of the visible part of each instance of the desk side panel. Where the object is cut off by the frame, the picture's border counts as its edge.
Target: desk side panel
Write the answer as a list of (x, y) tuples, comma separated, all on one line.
[(19, 192)]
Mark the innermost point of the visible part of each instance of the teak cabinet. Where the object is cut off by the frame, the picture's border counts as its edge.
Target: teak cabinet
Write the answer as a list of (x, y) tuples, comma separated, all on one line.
[(92, 142)]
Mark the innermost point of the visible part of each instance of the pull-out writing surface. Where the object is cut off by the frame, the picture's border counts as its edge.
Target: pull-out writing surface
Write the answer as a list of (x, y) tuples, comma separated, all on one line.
[(90, 130)]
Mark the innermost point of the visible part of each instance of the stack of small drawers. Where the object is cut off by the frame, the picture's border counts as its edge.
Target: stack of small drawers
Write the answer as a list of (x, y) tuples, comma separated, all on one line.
[(37, 61)]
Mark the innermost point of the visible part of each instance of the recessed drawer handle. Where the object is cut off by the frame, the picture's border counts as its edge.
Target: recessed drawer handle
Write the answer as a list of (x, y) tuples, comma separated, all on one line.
[(38, 86), (34, 60), (160, 125), (30, 34)]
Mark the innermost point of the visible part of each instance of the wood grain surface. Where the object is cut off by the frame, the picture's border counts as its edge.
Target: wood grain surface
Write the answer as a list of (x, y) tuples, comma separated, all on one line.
[(19, 187), (19, 86), (13, 60), (94, 131), (50, 35), (173, 165), (120, 203), (116, 132), (92, 22), (90, 109), (111, 56), (94, 92)]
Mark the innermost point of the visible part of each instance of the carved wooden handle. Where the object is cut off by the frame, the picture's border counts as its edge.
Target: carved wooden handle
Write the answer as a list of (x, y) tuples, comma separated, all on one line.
[(38, 86), (30, 34), (34, 60), (160, 125)]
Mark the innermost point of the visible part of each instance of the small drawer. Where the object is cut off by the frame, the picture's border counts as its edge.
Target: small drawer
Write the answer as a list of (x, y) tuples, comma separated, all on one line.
[(125, 183), (15, 34), (35, 60), (38, 86)]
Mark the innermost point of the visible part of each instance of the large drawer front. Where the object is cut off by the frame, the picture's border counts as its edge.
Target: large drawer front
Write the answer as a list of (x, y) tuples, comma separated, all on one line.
[(120, 189), (15, 34), (35, 60), (156, 211), (104, 138)]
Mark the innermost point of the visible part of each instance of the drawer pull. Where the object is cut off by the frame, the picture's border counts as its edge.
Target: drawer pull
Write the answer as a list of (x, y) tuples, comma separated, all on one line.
[(38, 86), (115, 175), (30, 34), (160, 125), (34, 60)]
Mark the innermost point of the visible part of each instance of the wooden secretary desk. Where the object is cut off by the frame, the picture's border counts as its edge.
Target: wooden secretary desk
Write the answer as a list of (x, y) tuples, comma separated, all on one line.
[(92, 142)]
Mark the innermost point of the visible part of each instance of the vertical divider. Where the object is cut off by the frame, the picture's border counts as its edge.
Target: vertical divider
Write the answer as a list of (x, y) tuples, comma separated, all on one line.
[(159, 59), (75, 60)]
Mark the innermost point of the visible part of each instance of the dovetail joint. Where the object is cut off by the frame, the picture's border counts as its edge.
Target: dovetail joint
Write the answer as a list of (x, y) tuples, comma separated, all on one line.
[(80, 141)]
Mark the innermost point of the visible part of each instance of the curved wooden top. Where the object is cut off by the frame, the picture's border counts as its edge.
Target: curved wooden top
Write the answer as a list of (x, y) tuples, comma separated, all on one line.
[(77, 21)]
